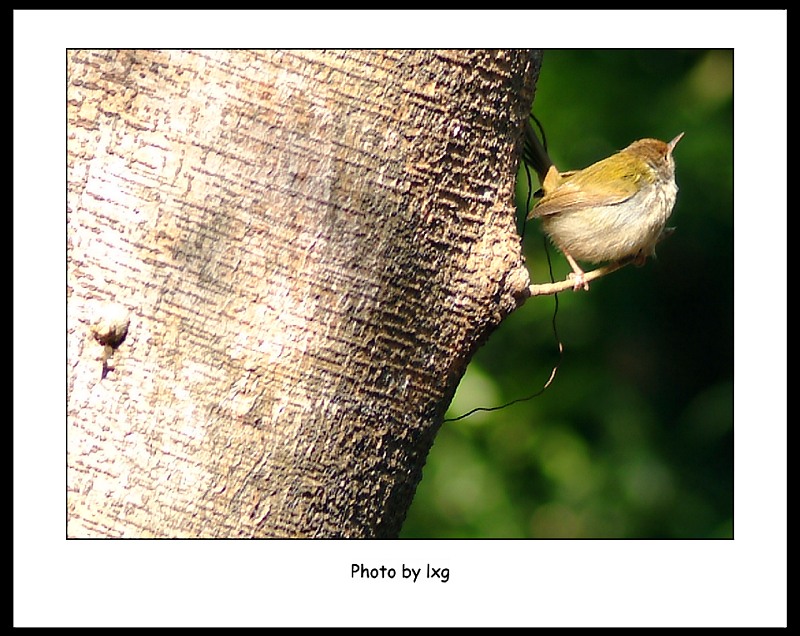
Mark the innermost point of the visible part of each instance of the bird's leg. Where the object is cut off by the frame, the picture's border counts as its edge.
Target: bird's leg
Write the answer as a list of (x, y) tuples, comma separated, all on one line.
[(577, 273)]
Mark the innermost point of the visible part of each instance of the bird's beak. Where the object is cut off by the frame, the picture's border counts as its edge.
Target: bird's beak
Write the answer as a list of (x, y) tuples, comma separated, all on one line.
[(674, 142)]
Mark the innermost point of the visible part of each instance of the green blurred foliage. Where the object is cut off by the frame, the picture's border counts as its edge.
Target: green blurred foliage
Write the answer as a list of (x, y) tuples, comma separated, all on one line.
[(634, 438)]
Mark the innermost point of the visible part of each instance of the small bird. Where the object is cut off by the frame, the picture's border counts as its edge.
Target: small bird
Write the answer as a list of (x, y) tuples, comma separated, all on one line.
[(612, 210)]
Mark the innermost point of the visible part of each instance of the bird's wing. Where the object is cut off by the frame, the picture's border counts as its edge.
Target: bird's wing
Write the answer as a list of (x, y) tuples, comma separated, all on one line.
[(585, 188)]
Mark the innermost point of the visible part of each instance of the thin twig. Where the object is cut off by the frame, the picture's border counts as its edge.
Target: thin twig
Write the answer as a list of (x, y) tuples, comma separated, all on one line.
[(548, 289)]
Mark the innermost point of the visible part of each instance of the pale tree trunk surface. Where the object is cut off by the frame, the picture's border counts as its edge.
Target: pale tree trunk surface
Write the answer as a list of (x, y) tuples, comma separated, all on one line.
[(280, 263)]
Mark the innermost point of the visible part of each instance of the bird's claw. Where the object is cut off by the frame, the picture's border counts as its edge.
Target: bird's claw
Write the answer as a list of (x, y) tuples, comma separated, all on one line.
[(578, 281)]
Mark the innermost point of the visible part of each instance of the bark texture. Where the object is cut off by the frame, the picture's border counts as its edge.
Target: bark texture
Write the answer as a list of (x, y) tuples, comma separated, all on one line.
[(279, 266)]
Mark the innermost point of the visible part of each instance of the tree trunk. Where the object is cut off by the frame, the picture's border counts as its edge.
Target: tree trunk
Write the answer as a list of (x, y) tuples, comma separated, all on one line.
[(280, 264)]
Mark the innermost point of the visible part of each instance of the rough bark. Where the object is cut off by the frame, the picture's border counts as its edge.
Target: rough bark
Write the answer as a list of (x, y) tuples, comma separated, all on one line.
[(279, 266)]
